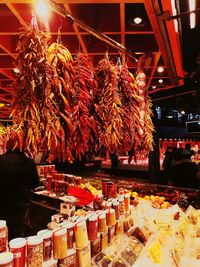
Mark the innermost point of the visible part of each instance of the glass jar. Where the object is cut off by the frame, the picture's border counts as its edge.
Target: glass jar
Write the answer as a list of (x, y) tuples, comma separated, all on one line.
[(18, 248), (110, 217), (34, 251), (6, 259), (92, 227), (81, 235), (60, 244), (47, 243), (70, 235), (3, 236), (121, 206), (102, 227), (116, 208), (127, 202)]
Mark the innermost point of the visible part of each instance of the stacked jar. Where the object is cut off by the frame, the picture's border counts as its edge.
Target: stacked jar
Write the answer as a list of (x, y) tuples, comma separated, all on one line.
[(18, 248), (6, 259), (46, 235), (3, 236), (34, 251)]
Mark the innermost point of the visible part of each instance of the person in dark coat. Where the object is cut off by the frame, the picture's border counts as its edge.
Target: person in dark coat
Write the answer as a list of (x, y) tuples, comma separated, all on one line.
[(18, 175), (184, 174), (114, 162)]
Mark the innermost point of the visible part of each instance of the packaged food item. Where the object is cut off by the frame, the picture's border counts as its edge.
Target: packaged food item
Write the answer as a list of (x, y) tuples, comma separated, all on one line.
[(98, 257), (92, 227), (129, 255), (110, 217), (127, 202), (18, 248), (121, 206), (81, 235), (95, 246), (47, 243), (70, 260), (84, 256), (139, 234), (119, 262), (3, 236), (106, 261), (34, 251), (117, 211), (6, 259), (69, 226), (102, 227), (60, 244)]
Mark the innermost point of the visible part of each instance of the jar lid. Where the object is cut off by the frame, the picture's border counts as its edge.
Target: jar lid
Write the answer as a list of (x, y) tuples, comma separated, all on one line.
[(102, 216), (17, 242), (69, 225), (127, 195), (62, 231), (92, 218), (116, 203), (6, 257), (71, 251), (81, 222), (34, 240), (45, 233), (2, 223), (110, 211)]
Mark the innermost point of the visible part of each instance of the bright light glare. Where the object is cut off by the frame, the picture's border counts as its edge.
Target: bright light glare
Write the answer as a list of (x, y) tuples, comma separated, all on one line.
[(192, 21), (153, 87), (160, 69), (137, 20), (174, 12), (160, 81), (192, 4), (42, 9), (182, 112)]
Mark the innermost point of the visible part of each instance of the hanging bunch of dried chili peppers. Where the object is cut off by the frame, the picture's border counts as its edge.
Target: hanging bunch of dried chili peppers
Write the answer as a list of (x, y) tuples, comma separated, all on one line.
[(109, 106)]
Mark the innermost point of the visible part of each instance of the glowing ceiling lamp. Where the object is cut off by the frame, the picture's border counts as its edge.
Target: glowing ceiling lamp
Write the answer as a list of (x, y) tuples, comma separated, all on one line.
[(160, 69), (42, 10), (192, 6), (137, 20), (160, 81)]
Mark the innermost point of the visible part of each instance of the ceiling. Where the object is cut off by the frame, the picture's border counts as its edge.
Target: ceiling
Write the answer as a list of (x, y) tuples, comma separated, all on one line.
[(155, 37)]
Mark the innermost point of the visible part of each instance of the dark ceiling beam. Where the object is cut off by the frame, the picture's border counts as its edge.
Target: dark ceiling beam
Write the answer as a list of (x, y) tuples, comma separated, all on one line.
[(161, 35)]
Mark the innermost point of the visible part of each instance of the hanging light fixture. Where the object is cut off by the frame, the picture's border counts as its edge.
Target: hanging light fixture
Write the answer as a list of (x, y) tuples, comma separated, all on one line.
[(160, 69), (42, 9)]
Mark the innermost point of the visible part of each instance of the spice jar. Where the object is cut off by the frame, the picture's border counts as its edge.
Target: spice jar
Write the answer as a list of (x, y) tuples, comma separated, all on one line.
[(70, 235), (127, 202), (34, 251), (60, 244), (121, 206), (18, 248), (6, 259), (3, 236), (102, 227), (47, 243), (92, 227), (81, 235), (110, 217), (116, 208)]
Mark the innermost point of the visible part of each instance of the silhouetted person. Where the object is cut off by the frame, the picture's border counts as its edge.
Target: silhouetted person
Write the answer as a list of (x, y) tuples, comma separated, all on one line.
[(18, 175), (187, 153), (183, 174), (114, 162)]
